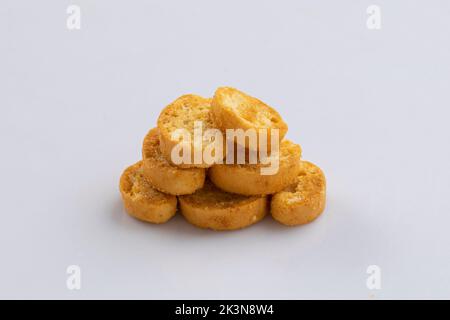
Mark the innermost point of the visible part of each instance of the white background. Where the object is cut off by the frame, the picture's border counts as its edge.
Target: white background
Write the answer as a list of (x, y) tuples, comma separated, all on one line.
[(370, 107)]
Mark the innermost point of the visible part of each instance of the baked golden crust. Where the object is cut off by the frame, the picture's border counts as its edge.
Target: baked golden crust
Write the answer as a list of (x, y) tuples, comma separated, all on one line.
[(141, 200), (246, 179), (233, 109), (215, 209), (303, 201), (181, 114), (164, 176)]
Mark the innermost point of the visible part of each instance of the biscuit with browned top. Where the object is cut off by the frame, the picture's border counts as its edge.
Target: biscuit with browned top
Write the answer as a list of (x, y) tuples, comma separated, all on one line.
[(303, 201), (215, 209), (247, 179), (141, 200), (164, 176), (182, 114), (234, 109)]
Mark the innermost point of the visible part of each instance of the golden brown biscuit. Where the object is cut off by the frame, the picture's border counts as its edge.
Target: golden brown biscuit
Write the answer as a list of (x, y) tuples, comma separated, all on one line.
[(141, 200), (303, 201), (247, 179), (164, 176), (214, 209), (233, 109), (182, 114)]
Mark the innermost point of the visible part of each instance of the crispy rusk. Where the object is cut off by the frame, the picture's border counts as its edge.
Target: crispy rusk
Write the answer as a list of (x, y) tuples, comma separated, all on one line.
[(303, 201), (234, 109), (164, 176), (247, 179), (215, 209), (141, 200), (182, 115)]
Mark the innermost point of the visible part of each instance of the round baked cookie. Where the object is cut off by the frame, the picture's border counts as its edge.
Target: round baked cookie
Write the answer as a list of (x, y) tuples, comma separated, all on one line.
[(164, 176), (247, 179), (303, 201), (182, 114), (215, 209), (141, 200), (234, 109)]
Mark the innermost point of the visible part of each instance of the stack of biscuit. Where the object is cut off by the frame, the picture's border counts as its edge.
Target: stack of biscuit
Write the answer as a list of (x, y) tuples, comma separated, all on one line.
[(218, 195)]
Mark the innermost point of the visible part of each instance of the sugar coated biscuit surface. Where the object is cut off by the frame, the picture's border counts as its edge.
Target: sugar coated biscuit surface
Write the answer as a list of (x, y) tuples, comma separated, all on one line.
[(303, 201), (163, 175), (141, 200), (214, 209), (247, 179), (182, 114), (233, 109)]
